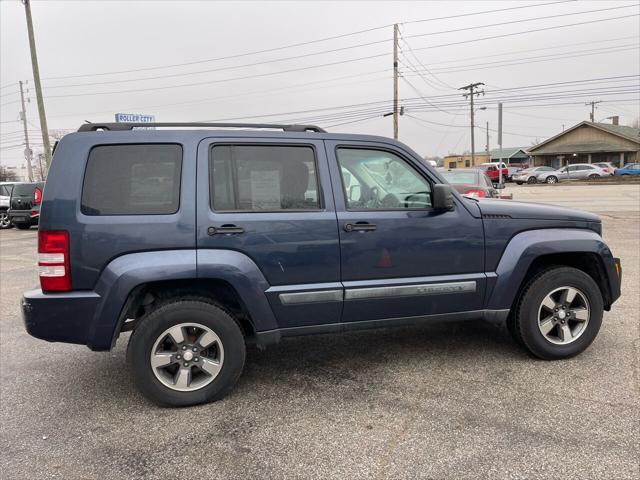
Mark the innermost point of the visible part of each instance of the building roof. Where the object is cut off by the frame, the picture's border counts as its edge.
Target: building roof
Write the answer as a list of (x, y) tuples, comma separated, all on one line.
[(508, 153), (628, 133)]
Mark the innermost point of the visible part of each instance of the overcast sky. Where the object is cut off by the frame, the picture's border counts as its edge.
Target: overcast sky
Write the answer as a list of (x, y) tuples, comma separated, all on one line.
[(86, 41)]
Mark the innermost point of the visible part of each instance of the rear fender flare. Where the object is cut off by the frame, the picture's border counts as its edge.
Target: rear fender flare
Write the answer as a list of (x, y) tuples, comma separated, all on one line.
[(123, 274)]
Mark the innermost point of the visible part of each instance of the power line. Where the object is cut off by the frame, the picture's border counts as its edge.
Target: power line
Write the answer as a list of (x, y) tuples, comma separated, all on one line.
[(554, 47), (480, 66), (299, 44), (305, 55), (352, 60), (511, 22)]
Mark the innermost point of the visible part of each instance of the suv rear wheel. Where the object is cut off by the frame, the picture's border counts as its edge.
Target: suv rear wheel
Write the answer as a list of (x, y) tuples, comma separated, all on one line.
[(559, 313), (186, 352)]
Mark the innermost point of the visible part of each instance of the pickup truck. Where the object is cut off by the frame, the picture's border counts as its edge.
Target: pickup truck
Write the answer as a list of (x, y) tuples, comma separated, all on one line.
[(493, 172)]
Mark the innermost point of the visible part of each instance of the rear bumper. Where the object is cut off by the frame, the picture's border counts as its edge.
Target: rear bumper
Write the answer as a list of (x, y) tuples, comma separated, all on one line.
[(60, 317), (24, 216)]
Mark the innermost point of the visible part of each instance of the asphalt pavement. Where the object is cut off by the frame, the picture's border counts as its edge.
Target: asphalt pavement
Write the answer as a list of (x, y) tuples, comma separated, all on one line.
[(440, 401)]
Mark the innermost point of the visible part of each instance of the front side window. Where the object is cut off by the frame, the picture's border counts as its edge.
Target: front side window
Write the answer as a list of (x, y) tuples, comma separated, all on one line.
[(379, 180), (135, 179), (263, 178)]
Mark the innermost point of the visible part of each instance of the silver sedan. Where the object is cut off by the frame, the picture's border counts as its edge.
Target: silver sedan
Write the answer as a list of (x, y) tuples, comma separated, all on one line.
[(572, 172)]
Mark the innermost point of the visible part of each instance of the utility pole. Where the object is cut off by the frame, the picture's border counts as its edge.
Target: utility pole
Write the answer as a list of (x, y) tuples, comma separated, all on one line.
[(500, 142), (395, 81), (487, 146), (27, 148), (593, 109), (36, 80), (473, 91)]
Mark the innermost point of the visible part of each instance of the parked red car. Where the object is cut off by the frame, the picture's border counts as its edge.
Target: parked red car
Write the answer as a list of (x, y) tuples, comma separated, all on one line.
[(470, 182), (491, 170)]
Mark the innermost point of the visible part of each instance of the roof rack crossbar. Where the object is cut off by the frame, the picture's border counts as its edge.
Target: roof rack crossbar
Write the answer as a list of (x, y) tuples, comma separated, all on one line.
[(93, 127)]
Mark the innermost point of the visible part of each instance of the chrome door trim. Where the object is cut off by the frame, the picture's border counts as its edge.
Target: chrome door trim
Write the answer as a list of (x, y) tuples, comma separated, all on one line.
[(410, 290), (310, 297)]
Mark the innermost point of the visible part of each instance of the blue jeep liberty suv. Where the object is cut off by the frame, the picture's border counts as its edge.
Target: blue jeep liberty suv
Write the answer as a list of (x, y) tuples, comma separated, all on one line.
[(199, 238)]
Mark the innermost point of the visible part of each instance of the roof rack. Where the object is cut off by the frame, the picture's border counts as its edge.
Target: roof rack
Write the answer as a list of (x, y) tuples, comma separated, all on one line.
[(93, 127)]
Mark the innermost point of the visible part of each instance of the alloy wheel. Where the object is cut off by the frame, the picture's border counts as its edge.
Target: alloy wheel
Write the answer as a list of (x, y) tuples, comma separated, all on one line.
[(187, 357), (563, 315), (4, 220)]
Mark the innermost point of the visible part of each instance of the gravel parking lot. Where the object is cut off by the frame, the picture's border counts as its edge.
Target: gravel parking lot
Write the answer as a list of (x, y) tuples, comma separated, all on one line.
[(440, 401)]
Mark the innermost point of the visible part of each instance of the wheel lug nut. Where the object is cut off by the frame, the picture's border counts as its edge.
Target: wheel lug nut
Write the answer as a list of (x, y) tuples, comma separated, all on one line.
[(186, 364), (194, 349), (178, 357), (196, 359), (184, 347)]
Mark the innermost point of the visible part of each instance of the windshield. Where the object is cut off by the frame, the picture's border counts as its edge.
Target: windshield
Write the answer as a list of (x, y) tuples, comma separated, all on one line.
[(458, 178)]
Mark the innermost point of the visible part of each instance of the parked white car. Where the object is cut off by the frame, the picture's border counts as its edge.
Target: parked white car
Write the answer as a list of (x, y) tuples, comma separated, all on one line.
[(5, 196), (576, 171)]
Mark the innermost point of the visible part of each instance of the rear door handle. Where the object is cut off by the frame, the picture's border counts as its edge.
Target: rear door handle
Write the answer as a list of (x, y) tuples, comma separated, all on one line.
[(225, 230), (359, 227)]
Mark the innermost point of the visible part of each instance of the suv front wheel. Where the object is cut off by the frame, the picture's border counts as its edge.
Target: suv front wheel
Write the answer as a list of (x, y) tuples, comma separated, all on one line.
[(186, 352), (559, 313)]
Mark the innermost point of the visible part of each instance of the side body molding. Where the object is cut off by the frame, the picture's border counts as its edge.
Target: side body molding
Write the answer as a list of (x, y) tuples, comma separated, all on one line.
[(125, 273), (525, 247)]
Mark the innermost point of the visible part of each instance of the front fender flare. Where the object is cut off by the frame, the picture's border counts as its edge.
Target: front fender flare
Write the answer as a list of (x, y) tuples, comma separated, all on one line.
[(525, 247)]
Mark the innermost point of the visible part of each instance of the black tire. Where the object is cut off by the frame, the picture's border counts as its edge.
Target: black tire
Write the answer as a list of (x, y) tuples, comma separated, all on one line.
[(524, 321), (551, 179), (518, 183), (173, 312), (22, 225), (532, 180), (593, 176), (5, 221)]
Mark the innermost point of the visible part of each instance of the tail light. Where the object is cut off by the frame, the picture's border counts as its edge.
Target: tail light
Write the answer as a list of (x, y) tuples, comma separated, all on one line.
[(37, 196), (606, 170), (474, 193), (53, 261)]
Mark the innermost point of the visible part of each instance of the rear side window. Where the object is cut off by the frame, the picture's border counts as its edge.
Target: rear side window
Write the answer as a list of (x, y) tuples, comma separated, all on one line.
[(263, 178), (132, 180)]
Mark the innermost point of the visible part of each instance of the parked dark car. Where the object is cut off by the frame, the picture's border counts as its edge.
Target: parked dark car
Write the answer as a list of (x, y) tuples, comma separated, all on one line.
[(470, 181), (24, 206), (199, 240)]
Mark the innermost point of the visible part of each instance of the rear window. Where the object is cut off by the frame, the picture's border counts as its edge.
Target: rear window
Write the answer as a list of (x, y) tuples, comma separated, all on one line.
[(461, 178), (23, 189), (263, 178), (132, 180)]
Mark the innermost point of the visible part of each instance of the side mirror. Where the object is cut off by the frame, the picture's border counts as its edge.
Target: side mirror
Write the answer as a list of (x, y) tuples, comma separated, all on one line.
[(442, 197)]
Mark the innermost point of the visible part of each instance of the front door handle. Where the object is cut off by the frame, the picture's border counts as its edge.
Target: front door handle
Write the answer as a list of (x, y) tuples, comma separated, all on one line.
[(359, 227), (225, 230)]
